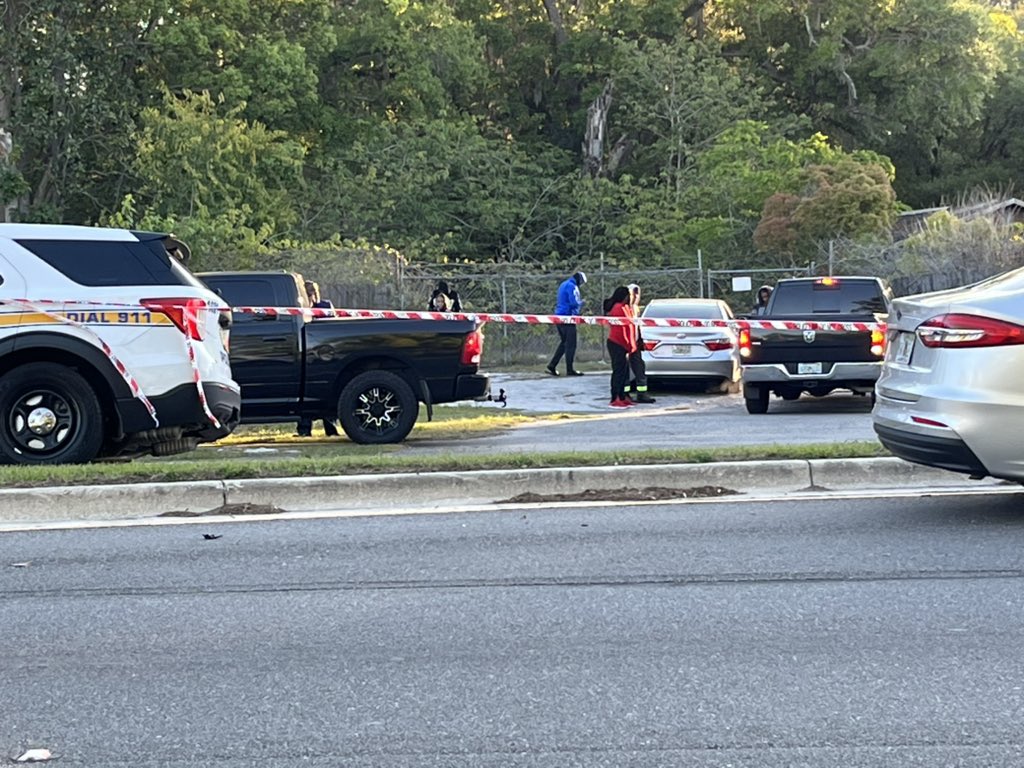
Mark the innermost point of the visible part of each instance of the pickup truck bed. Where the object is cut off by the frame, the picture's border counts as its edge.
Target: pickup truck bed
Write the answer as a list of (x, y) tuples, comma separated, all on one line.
[(790, 361), (369, 374)]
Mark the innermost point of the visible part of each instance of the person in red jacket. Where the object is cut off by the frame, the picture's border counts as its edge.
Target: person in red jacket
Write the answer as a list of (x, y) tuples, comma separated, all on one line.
[(622, 342)]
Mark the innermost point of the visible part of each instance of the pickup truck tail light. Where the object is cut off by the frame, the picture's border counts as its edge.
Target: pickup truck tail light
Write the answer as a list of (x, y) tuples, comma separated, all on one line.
[(878, 343), (717, 345), (473, 348), (187, 314), (744, 342), (956, 330)]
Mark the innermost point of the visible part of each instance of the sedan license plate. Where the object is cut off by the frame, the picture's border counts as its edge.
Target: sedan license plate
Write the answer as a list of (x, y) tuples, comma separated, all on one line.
[(681, 350), (807, 369), (904, 348)]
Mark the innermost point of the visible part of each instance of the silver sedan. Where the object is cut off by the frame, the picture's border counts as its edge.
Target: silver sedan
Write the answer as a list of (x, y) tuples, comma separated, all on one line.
[(691, 354), (950, 392)]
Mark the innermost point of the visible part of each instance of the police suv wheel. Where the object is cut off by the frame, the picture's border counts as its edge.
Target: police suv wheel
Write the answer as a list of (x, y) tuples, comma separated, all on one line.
[(49, 414), (377, 407)]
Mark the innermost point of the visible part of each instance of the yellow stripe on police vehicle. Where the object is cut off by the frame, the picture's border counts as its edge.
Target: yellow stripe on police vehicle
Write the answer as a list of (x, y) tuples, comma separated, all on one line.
[(85, 317)]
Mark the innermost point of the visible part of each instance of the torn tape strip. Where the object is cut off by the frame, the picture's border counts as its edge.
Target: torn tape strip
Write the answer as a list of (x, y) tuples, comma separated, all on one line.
[(119, 366), (511, 318)]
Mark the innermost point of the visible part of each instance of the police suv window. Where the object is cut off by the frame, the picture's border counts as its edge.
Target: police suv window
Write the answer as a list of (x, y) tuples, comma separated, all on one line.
[(108, 263)]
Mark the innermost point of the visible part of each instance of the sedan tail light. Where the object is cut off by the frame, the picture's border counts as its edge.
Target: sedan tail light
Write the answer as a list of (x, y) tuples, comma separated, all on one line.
[(187, 314), (649, 345), (961, 330), (716, 345)]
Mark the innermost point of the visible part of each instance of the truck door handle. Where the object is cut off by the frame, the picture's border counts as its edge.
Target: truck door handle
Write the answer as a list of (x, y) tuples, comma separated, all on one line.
[(275, 338)]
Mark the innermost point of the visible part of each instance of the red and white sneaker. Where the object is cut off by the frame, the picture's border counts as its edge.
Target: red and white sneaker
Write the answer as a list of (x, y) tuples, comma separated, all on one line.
[(618, 403)]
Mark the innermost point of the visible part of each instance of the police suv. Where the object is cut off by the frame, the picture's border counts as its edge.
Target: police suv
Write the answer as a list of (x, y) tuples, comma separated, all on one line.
[(108, 347)]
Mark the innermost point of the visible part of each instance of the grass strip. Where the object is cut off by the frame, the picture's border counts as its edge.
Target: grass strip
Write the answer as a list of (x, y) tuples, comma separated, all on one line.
[(370, 460)]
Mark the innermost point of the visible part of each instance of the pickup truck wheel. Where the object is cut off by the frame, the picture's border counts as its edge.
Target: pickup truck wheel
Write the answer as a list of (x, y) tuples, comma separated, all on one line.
[(377, 407), (49, 414), (759, 402)]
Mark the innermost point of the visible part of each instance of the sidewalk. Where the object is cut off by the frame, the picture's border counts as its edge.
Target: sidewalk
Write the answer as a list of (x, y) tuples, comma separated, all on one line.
[(445, 491)]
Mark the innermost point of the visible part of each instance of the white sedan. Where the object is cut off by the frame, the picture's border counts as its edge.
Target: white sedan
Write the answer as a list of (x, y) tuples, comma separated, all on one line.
[(708, 355)]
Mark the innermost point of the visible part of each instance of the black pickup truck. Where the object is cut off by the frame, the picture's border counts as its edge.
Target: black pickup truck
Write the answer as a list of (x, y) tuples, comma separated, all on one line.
[(790, 361), (371, 374)]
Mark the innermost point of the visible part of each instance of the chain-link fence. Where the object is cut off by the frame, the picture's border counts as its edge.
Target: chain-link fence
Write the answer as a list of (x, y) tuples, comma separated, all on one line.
[(503, 290), (378, 278)]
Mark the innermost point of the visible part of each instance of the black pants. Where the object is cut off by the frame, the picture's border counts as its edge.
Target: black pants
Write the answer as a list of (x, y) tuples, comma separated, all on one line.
[(620, 369), (639, 370), (566, 346), (305, 426)]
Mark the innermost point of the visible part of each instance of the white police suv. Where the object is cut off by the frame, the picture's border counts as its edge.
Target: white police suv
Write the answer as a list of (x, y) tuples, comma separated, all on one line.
[(108, 347)]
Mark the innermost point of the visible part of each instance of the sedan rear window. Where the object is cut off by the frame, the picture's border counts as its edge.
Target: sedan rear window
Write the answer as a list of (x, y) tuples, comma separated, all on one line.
[(685, 311), (110, 262)]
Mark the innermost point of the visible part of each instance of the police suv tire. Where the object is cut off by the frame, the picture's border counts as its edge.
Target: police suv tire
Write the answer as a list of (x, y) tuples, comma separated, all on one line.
[(49, 414), (759, 402), (377, 407)]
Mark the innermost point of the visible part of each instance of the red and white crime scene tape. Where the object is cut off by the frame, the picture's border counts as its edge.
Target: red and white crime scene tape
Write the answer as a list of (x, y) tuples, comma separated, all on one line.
[(46, 307), (120, 367), (488, 317)]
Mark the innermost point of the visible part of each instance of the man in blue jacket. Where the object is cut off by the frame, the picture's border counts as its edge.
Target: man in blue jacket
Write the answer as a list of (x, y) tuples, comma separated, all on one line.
[(569, 303)]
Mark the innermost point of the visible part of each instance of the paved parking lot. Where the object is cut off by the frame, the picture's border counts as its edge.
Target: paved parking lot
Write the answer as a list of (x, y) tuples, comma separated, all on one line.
[(681, 418)]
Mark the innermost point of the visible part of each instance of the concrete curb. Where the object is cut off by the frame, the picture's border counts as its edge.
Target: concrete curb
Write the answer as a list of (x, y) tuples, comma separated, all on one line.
[(440, 489)]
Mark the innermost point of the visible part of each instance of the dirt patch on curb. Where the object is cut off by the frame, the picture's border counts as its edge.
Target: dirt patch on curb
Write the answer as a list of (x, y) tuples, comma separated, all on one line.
[(227, 509), (653, 493)]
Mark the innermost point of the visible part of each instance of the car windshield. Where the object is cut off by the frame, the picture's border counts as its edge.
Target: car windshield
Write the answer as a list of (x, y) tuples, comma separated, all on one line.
[(685, 311)]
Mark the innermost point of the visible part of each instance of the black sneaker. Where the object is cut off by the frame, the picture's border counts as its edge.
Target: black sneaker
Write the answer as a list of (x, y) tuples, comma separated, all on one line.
[(643, 397), (551, 371), (574, 373)]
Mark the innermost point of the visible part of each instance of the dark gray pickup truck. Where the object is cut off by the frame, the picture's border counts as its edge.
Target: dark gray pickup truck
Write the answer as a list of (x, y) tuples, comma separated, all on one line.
[(370, 374), (790, 361)]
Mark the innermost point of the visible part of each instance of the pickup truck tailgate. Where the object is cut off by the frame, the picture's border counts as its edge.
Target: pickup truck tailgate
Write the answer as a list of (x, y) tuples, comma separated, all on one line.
[(791, 347)]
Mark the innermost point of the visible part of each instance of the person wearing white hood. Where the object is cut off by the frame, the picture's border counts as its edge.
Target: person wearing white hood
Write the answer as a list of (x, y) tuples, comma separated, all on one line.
[(761, 307)]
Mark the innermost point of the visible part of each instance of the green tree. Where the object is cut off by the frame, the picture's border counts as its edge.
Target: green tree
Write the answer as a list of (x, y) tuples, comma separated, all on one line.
[(220, 181), (904, 78), (69, 95), (850, 198)]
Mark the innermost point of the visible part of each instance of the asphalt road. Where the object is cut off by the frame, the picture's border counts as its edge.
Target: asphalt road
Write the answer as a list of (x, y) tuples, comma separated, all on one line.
[(681, 418), (878, 632)]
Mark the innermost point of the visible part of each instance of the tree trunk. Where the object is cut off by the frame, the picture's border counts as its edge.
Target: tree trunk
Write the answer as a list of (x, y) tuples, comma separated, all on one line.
[(9, 85), (695, 11), (555, 17), (597, 126)]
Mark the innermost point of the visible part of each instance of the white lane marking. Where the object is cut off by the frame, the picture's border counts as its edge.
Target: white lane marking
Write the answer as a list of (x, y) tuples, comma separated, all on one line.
[(326, 514)]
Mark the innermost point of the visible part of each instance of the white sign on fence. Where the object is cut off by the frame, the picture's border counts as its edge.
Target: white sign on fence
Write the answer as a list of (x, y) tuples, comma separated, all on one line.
[(741, 284)]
